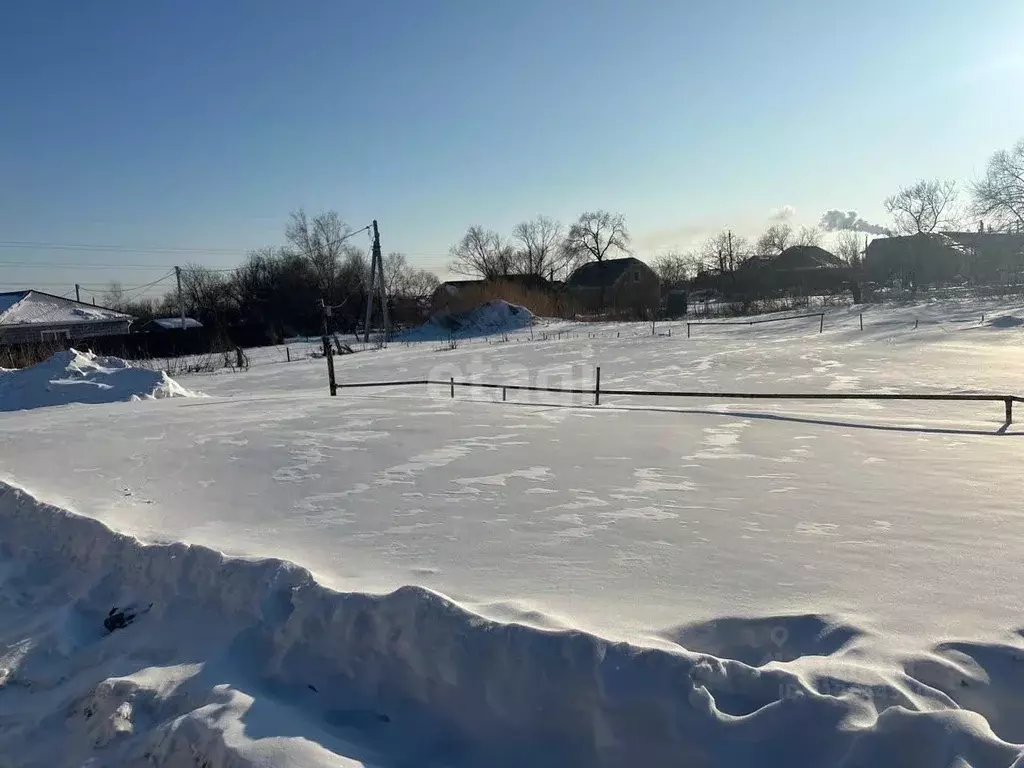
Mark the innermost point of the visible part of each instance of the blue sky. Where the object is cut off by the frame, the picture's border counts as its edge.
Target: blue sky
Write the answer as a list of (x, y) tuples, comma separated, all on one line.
[(201, 125)]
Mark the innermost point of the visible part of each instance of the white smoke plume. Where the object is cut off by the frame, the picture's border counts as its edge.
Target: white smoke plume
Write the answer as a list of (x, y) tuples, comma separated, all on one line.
[(837, 221)]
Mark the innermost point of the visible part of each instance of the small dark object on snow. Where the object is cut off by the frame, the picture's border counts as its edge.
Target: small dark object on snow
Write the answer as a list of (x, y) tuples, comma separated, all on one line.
[(119, 619), (312, 688)]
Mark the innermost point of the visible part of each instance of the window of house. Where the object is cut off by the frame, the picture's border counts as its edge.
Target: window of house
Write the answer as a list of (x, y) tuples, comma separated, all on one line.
[(55, 335), (636, 276)]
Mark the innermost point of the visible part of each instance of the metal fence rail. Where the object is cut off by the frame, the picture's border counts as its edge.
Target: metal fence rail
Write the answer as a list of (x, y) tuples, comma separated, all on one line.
[(819, 315), (597, 391)]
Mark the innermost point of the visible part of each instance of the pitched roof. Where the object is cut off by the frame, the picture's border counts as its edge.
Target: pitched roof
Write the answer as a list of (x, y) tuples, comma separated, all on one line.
[(595, 274), (36, 307), (884, 247), (1001, 240), (805, 257)]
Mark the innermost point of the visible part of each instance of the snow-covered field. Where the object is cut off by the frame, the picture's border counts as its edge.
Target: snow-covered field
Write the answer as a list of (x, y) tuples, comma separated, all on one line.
[(652, 582)]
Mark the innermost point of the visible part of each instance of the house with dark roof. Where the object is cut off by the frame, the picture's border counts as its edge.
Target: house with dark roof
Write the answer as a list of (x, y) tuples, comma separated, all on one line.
[(921, 259), (33, 316), (624, 285), (802, 257), (946, 257), (800, 270)]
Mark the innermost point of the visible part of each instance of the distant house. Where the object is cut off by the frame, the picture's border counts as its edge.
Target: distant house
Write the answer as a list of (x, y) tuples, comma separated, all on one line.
[(168, 324), (621, 285), (33, 316), (800, 270), (459, 295), (945, 257), (924, 258), (803, 257)]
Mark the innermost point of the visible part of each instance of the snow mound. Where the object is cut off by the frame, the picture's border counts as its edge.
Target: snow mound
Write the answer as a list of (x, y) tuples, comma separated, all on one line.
[(82, 377), (485, 319), (113, 652), (1006, 321)]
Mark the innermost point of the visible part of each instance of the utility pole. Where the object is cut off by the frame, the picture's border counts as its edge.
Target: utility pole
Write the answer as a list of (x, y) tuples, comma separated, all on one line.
[(181, 303), (325, 312), (369, 293), (78, 293), (376, 282)]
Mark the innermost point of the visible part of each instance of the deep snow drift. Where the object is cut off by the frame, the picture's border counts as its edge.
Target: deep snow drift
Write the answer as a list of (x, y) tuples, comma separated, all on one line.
[(82, 377), (490, 318), (123, 654)]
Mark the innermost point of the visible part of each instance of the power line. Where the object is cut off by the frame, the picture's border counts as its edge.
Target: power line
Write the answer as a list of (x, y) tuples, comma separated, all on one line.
[(44, 245), (55, 265), (31, 244), (141, 288)]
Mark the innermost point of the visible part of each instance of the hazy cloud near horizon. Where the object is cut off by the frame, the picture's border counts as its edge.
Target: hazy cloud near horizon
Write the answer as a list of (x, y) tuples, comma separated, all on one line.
[(691, 234), (785, 213)]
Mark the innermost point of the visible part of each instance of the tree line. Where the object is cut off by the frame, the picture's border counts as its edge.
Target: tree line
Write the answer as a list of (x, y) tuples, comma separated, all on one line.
[(279, 288), (541, 247), (996, 200)]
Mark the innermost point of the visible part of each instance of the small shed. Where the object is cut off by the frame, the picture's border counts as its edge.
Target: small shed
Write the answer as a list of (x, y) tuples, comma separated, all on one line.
[(532, 291)]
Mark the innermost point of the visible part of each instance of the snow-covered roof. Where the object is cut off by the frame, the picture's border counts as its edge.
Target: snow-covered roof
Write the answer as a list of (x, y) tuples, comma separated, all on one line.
[(176, 323), (35, 307)]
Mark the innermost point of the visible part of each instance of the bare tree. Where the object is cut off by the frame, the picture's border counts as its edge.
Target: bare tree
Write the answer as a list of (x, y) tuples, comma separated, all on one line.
[(1000, 194), (808, 236), (208, 294), (403, 280), (482, 253), (923, 207), (396, 268), (540, 246), (849, 247), (595, 235), (320, 239), (725, 252), (113, 296), (421, 283), (775, 240), (673, 268)]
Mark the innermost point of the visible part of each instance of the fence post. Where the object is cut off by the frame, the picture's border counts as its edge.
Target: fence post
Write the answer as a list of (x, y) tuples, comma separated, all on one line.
[(503, 394), (821, 326), (330, 369), (915, 323), (687, 330), (453, 387), (862, 321), (1009, 410), (597, 387), (288, 353)]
